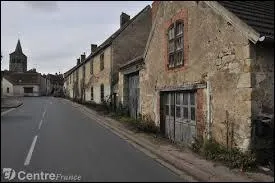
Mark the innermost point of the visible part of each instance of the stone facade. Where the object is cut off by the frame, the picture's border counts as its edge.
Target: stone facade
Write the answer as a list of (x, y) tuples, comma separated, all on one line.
[(18, 61), (7, 87), (215, 53), (99, 76), (262, 79), (126, 43)]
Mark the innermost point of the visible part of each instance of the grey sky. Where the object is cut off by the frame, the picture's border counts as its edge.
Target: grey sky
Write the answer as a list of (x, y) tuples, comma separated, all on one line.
[(54, 34)]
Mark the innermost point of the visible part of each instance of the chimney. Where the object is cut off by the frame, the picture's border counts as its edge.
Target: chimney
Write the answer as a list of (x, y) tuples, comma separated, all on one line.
[(155, 6), (124, 18), (83, 57), (78, 61), (93, 48)]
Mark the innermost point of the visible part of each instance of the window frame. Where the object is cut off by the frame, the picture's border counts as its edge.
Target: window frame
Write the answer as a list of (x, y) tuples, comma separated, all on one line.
[(92, 67), (102, 92), (101, 61), (175, 36), (92, 93), (8, 90)]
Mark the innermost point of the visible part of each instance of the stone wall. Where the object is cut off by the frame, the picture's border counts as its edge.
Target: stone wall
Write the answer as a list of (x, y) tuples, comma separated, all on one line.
[(131, 41), (216, 52), (18, 62), (98, 77), (7, 84), (262, 78)]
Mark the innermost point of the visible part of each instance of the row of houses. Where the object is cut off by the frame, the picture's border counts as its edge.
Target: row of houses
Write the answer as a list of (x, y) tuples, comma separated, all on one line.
[(201, 69)]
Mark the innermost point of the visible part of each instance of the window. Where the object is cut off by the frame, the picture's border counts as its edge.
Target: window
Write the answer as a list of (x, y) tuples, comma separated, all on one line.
[(8, 90), (28, 89), (102, 92), (92, 66), (70, 79), (102, 61), (175, 45), (92, 93), (83, 71)]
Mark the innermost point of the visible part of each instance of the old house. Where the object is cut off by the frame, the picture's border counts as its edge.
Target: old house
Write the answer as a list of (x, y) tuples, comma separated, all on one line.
[(22, 84), (18, 81), (95, 78), (208, 69)]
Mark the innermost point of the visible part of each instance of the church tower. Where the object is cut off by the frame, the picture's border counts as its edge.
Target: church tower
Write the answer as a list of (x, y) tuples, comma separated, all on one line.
[(18, 61)]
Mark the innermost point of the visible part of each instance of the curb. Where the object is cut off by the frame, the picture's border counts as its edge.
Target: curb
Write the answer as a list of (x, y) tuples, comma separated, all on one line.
[(181, 165), (12, 106)]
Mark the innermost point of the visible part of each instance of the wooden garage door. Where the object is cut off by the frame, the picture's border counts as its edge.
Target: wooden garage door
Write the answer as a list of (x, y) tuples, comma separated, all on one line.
[(179, 116), (133, 97)]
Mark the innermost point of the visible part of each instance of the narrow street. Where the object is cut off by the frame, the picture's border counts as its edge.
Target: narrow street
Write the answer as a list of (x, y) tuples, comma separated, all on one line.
[(48, 134)]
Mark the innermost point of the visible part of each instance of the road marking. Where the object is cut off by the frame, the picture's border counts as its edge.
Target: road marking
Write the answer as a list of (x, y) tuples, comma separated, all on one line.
[(44, 114), (28, 158), (5, 112), (40, 124)]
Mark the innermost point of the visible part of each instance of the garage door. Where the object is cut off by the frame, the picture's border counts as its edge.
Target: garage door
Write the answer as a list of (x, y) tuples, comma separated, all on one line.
[(133, 96), (179, 116)]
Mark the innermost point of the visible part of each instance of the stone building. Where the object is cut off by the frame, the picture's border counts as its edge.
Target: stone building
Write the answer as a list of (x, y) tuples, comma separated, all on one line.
[(208, 69), (95, 78), (18, 60), (20, 82)]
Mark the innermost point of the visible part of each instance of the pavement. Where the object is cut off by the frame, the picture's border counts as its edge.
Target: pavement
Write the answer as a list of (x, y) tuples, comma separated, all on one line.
[(10, 102), (52, 135), (182, 162)]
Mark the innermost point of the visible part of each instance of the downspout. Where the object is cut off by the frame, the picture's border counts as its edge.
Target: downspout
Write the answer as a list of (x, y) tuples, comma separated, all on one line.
[(208, 98)]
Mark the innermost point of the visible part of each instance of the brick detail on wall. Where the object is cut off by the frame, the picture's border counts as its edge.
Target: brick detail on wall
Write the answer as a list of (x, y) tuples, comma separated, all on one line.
[(155, 6), (200, 99)]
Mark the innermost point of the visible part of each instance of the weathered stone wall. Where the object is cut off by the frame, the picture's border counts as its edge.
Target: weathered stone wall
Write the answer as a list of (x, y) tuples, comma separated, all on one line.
[(131, 41), (262, 79), (216, 52), (18, 63), (98, 77), (7, 84)]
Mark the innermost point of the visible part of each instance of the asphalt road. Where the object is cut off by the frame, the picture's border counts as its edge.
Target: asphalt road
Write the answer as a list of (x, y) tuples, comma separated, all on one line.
[(49, 135)]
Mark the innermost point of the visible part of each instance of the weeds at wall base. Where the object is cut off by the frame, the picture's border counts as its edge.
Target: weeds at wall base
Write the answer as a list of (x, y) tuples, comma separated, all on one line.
[(209, 149), (233, 158)]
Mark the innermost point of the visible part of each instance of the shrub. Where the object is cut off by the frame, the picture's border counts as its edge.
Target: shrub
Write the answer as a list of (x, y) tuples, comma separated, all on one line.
[(233, 158)]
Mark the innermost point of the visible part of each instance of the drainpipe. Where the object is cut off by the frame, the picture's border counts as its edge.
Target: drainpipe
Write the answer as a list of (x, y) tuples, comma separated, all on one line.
[(208, 95)]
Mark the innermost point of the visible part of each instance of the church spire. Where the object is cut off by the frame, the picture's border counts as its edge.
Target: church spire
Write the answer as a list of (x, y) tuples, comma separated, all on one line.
[(18, 48)]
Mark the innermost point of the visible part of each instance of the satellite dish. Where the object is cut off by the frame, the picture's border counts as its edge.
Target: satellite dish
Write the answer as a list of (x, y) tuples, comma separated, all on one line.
[(262, 38)]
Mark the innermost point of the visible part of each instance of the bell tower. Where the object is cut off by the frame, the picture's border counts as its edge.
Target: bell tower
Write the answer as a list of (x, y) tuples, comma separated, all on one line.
[(18, 60)]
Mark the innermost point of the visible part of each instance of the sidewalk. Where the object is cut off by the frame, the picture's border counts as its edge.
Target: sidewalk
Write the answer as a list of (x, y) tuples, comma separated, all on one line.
[(10, 102), (181, 159)]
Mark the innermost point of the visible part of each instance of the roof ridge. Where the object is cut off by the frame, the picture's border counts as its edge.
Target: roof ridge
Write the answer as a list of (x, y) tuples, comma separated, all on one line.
[(109, 40)]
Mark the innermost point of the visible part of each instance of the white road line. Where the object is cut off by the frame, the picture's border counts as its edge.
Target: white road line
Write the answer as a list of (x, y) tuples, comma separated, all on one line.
[(40, 124), (7, 111), (44, 114), (28, 158)]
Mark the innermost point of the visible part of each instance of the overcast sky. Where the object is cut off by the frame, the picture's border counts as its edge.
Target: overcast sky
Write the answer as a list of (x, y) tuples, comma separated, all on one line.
[(54, 34)]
